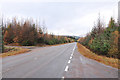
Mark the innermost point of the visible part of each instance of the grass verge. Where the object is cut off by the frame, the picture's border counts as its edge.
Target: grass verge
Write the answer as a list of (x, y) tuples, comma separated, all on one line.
[(102, 59), (13, 51)]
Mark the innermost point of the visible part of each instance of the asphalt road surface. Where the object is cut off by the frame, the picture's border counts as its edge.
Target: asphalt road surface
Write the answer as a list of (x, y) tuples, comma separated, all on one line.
[(63, 61)]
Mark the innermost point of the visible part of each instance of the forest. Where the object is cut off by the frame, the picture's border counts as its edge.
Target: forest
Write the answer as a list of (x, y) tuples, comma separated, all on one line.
[(103, 40), (29, 33)]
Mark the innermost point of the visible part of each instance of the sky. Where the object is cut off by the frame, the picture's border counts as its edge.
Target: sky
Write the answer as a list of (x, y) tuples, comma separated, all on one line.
[(62, 17)]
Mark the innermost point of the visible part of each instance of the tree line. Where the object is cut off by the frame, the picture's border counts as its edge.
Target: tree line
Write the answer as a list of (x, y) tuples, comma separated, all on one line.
[(103, 40), (28, 33)]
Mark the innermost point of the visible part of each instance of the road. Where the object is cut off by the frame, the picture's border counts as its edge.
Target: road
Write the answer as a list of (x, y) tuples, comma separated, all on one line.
[(63, 61)]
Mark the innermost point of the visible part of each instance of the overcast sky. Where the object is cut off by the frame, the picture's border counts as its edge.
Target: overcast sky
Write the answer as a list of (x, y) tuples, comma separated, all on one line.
[(62, 17)]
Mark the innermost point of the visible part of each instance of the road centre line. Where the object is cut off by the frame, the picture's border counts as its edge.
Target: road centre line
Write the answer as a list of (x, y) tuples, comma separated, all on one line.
[(70, 57), (69, 61), (63, 77), (71, 54), (66, 69)]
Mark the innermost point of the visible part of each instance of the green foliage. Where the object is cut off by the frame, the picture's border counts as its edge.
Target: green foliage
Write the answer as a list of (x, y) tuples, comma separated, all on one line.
[(55, 41), (100, 45), (86, 41), (104, 41)]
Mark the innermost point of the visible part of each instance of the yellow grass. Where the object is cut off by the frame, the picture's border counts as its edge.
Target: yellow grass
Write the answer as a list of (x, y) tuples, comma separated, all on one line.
[(102, 59), (11, 53)]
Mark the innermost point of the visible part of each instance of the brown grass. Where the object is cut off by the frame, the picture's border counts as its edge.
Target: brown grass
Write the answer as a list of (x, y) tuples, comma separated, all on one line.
[(17, 51), (102, 59)]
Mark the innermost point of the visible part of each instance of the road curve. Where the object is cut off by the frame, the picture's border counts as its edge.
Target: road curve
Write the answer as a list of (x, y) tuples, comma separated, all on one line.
[(55, 62)]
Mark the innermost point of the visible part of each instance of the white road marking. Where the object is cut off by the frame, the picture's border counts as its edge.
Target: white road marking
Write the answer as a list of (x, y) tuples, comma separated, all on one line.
[(69, 61), (63, 77), (70, 57), (66, 69), (71, 54), (73, 50), (74, 47)]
